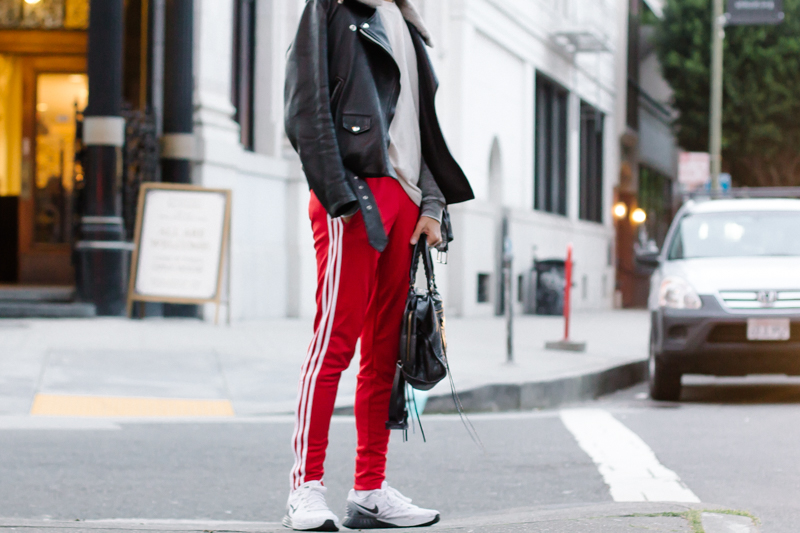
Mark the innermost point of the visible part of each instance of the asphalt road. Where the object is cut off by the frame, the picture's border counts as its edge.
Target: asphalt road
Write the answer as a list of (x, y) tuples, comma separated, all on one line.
[(732, 444)]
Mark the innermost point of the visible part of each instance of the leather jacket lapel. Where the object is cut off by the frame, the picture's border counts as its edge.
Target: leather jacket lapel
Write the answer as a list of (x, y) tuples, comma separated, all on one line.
[(374, 31)]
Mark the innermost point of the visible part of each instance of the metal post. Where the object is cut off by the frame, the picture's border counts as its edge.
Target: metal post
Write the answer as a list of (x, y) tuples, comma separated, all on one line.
[(508, 259), (101, 253), (715, 128), (567, 292)]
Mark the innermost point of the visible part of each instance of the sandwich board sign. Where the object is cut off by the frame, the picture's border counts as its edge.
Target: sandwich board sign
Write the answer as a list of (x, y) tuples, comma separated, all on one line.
[(181, 245), (754, 12)]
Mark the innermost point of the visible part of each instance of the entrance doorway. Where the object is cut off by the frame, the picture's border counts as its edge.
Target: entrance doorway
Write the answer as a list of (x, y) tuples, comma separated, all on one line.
[(42, 80), (41, 94), (40, 98), (55, 90)]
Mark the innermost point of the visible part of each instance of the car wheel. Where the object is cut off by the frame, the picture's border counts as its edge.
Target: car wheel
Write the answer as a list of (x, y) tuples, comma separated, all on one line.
[(664, 381)]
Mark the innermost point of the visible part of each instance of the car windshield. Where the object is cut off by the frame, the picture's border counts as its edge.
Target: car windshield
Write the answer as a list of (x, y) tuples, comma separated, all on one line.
[(742, 234)]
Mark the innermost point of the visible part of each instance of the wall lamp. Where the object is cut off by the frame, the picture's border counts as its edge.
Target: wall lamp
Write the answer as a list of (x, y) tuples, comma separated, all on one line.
[(620, 210), (638, 216)]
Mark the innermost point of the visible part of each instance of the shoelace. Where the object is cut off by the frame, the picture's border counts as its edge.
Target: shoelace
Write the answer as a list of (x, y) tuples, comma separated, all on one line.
[(313, 498), (396, 499)]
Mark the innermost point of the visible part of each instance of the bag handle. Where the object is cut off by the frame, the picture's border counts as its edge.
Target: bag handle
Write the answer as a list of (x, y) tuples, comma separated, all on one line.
[(421, 250)]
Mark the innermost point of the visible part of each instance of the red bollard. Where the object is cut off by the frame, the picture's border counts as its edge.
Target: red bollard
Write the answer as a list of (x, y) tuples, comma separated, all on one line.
[(565, 343)]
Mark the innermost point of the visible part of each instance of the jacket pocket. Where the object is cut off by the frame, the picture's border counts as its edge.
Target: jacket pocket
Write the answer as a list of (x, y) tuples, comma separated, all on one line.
[(356, 124)]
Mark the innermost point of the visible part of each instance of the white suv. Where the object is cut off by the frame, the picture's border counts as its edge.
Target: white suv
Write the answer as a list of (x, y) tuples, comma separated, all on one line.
[(725, 293)]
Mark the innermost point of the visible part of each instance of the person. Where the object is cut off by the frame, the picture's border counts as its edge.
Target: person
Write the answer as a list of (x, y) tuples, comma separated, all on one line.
[(360, 112)]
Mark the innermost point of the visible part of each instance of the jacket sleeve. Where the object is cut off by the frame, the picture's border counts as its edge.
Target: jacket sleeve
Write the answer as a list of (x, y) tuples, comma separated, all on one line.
[(433, 202), (307, 112)]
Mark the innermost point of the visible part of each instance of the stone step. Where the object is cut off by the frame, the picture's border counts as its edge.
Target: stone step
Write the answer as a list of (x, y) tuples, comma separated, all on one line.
[(36, 293), (46, 310)]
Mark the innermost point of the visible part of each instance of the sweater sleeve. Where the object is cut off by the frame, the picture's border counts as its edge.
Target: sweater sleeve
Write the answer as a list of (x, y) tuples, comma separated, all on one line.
[(433, 202)]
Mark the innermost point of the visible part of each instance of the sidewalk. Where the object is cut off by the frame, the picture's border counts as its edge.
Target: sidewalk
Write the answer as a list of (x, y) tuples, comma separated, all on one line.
[(597, 518), (252, 368)]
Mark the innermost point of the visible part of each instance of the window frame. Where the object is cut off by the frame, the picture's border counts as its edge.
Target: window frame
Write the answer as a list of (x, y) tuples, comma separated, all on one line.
[(551, 146), (591, 162)]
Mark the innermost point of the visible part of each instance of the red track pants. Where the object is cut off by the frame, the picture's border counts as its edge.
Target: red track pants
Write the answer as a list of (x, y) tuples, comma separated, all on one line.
[(361, 293)]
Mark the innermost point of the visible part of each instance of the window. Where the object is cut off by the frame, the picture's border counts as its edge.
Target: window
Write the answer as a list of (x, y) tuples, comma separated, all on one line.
[(591, 167), (655, 197), (737, 234), (483, 288), (44, 15), (244, 52), (551, 147), (632, 101)]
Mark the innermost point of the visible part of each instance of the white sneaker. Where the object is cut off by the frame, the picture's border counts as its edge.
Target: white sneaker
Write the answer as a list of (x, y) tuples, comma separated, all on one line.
[(385, 507), (306, 509)]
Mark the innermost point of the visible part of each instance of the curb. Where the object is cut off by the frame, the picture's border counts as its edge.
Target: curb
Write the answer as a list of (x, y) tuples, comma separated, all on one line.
[(653, 516), (542, 394)]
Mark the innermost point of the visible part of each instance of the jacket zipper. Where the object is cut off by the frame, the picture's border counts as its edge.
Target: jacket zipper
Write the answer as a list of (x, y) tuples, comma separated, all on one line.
[(389, 53), (337, 89)]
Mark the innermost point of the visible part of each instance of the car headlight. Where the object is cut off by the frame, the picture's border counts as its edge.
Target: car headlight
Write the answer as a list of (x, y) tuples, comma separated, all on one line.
[(676, 293)]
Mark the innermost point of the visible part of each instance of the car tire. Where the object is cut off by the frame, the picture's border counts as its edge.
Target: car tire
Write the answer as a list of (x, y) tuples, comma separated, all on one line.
[(664, 380)]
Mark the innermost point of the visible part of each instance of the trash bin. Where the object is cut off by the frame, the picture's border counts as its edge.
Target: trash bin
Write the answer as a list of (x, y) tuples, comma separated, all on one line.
[(550, 283)]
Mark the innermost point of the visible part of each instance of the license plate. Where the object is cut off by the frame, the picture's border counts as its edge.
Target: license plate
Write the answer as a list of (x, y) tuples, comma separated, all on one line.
[(768, 329)]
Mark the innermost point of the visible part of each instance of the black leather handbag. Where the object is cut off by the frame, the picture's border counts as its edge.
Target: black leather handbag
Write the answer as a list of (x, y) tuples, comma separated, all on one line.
[(422, 340), (422, 357), (422, 360)]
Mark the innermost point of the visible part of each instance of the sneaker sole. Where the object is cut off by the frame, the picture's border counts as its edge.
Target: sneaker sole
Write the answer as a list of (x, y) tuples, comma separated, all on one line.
[(361, 521), (328, 525)]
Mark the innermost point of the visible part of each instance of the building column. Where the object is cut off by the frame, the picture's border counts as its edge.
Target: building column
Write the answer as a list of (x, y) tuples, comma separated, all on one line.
[(102, 255), (177, 141)]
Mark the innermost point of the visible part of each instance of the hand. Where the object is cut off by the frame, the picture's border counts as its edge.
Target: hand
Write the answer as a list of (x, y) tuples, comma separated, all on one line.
[(347, 218), (430, 227)]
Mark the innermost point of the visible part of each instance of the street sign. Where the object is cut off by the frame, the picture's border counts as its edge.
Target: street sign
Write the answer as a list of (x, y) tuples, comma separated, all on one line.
[(693, 170), (725, 183), (754, 12)]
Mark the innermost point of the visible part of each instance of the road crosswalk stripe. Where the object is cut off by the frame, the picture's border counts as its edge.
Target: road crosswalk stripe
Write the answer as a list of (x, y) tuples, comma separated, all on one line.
[(627, 464), (100, 406)]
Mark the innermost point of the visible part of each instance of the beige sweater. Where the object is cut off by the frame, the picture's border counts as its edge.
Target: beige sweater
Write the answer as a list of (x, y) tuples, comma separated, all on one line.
[(405, 146)]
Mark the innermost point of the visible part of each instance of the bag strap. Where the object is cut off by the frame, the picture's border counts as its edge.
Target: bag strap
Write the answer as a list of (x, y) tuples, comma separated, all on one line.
[(421, 250)]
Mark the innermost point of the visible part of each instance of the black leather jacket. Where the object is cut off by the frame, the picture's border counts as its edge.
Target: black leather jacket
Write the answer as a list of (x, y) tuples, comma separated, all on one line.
[(342, 87)]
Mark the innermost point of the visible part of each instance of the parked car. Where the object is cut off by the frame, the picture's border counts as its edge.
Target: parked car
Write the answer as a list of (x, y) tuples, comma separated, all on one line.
[(725, 292)]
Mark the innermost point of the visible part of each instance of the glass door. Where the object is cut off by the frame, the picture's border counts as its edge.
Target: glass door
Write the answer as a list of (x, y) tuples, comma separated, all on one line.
[(59, 98), (55, 91)]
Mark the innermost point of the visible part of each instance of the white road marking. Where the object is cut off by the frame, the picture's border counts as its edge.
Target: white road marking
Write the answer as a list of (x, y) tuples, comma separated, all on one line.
[(628, 466), (27, 422), (720, 523)]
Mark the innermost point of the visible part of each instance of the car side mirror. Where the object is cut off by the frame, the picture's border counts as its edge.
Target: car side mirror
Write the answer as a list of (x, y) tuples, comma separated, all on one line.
[(649, 259)]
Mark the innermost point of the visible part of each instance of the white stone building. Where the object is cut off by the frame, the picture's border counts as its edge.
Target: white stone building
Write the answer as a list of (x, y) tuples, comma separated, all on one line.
[(529, 103)]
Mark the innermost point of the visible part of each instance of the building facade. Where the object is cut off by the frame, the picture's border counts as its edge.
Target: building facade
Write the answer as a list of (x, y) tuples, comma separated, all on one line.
[(529, 102), (649, 153)]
